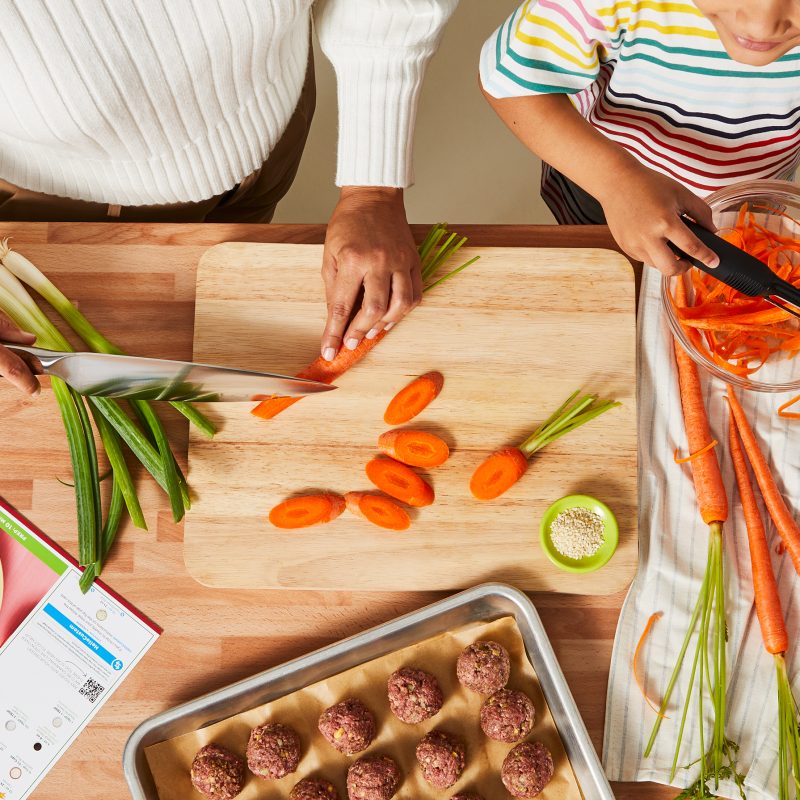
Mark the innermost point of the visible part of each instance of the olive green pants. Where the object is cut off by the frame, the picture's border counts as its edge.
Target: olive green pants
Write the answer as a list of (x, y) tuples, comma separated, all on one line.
[(252, 200)]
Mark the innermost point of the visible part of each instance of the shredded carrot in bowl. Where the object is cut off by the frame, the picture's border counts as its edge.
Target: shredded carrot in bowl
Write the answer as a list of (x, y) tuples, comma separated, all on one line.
[(739, 333)]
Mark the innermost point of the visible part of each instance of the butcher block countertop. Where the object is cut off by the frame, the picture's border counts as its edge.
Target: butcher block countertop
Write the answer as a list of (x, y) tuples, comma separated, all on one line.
[(213, 637)]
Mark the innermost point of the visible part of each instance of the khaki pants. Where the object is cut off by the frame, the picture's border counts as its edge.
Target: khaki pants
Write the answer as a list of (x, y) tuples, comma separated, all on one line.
[(252, 200)]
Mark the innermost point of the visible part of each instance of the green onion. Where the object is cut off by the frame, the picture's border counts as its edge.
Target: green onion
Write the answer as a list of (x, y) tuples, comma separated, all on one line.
[(27, 272), (114, 426), (113, 519)]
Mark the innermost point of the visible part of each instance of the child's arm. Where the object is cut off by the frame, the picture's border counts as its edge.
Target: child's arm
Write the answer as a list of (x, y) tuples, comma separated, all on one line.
[(642, 207)]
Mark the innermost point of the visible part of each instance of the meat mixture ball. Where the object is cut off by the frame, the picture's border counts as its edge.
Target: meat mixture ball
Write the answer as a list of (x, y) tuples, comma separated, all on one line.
[(507, 716), (527, 769), (273, 750), (483, 667), (441, 758), (373, 778), (217, 773), (313, 789), (414, 695), (349, 726)]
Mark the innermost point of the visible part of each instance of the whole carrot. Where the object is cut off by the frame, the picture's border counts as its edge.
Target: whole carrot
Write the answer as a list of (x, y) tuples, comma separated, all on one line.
[(709, 609), (778, 510), (706, 474), (765, 587), (770, 620)]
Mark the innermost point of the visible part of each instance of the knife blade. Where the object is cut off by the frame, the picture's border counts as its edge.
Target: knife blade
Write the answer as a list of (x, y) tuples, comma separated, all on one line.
[(161, 379)]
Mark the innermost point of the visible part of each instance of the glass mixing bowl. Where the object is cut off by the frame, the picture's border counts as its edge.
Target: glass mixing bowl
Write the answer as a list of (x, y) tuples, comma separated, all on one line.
[(770, 199)]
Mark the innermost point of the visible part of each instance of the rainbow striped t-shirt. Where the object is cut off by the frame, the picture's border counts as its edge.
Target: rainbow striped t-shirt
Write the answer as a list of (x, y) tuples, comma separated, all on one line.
[(654, 77)]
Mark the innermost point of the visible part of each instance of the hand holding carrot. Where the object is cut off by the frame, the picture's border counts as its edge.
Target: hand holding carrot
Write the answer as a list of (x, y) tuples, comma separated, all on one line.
[(12, 367), (369, 248)]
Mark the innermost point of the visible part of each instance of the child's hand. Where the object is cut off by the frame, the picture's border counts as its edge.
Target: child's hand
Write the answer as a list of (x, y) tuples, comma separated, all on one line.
[(12, 367), (643, 212)]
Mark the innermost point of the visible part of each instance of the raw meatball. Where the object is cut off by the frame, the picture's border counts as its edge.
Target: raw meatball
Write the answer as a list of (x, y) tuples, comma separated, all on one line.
[(349, 726), (466, 796), (483, 667), (217, 773), (527, 769), (273, 750), (373, 778), (441, 758), (414, 695), (507, 716), (313, 789)]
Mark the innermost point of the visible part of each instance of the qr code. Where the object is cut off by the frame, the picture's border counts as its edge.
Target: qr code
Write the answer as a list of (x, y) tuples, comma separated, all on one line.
[(91, 690)]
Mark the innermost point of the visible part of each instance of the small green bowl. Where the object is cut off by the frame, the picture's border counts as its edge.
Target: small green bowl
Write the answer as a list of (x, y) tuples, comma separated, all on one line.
[(610, 534)]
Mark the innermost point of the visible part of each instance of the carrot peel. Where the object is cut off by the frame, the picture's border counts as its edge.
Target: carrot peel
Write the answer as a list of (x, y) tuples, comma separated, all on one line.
[(639, 682), (692, 456), (782, 412)]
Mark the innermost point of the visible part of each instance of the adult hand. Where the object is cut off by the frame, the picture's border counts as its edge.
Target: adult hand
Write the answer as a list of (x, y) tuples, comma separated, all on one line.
[(12, 367), (643, 211), (369, 254)]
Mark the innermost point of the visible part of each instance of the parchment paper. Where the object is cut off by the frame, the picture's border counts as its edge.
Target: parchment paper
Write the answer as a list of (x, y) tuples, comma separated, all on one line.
[(171, 760)]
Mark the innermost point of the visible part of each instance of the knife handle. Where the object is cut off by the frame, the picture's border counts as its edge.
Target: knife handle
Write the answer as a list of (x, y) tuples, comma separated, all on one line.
[(736, 268)]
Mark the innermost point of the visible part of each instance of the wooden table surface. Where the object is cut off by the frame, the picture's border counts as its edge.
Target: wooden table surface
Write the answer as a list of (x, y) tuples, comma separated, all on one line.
[(213, 637)]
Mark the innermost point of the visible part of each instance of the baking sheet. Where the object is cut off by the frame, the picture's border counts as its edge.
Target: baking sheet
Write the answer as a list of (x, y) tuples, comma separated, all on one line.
[(171, 760)]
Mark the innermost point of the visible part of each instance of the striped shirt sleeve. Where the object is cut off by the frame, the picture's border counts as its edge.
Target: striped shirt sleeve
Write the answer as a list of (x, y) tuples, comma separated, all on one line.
[(550, 46)]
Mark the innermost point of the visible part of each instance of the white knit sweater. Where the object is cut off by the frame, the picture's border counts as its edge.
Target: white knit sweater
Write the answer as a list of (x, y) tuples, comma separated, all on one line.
[(135, 102)]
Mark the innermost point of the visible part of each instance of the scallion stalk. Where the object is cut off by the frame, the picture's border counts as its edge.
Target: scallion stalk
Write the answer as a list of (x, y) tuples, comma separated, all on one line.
[(26, 271)]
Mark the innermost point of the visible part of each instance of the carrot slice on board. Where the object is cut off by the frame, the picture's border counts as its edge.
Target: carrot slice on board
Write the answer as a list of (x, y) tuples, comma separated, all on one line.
[(400, 481), (378, 510), (498, 473), (637, 677), (307, 510), (415, 448), (411, 400)]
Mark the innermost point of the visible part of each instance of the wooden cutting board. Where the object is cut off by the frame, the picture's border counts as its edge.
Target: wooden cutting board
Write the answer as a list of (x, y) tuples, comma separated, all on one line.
[(513, 335)]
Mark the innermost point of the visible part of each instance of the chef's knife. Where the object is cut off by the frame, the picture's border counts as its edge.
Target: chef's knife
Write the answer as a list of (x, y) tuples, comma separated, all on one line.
[(157, 379), (743, 272)]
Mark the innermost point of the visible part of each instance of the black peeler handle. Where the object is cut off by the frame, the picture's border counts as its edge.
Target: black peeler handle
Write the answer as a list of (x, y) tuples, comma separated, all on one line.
[(738, 269)]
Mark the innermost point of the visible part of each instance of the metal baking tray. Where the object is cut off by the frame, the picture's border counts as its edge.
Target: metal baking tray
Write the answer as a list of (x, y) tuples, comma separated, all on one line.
[(486, 602)]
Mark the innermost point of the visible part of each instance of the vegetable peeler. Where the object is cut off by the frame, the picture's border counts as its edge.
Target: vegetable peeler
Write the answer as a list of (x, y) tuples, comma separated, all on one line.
[(157, 379), (743, 272)]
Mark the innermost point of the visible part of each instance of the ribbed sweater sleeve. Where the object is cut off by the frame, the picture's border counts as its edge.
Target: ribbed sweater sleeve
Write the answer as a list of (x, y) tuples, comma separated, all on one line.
[(379, 50)]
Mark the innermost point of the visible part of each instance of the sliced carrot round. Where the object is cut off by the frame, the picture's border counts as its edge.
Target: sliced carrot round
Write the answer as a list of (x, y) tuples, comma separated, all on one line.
[(307, 510), (400, 481), (378, 510), (415, 448), (414, 398), (498, 473)]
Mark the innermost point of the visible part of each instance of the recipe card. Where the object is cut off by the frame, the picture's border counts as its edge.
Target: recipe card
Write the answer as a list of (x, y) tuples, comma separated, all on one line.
[(62, 653)]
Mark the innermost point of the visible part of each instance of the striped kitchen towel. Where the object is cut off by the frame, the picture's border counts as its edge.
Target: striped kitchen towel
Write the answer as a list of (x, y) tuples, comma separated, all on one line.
[(672, 557)]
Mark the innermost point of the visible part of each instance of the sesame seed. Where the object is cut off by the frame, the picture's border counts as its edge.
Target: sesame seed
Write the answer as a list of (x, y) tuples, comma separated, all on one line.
[(577, 532)]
